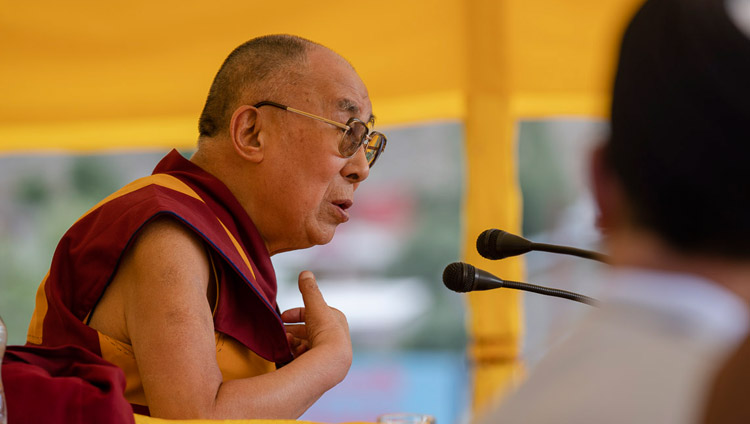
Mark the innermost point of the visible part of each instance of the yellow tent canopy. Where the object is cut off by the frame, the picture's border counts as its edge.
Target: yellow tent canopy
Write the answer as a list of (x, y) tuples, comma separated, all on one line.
[(91, 75)]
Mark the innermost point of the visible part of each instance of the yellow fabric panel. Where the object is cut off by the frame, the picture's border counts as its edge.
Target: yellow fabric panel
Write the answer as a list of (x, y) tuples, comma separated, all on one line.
[(163, 180), (492, 201), (488, 375), (100, 134), (142, 419), (135, 74), (84, 75), (182, 131), (237, 361), (439, 105), (563, 46), (541, 106), (239, 248), (121, 354), (36, 326)]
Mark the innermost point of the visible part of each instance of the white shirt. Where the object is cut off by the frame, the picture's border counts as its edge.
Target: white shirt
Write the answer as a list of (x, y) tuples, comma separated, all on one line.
[(646, 355)]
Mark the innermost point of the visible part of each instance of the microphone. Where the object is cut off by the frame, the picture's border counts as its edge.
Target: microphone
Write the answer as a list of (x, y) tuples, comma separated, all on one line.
[(498, 244), (462, 277)]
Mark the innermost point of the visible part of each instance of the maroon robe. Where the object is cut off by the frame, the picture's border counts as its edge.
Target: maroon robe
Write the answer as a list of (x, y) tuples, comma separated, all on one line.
[(87, 257), (61, 385)]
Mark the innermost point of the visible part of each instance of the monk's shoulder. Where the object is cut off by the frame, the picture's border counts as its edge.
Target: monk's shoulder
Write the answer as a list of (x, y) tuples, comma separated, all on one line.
[(166, 260)]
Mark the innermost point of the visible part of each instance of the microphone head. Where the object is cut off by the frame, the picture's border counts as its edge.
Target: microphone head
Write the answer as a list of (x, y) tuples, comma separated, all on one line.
[(459, 277), (486, 243), (498, 244)]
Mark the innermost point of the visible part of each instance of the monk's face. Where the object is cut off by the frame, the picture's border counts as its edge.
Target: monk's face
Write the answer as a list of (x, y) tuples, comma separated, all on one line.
[(312, 185)]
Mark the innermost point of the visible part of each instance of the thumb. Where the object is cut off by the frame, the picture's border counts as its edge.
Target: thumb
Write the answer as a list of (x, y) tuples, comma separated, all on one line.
[(311, 295)]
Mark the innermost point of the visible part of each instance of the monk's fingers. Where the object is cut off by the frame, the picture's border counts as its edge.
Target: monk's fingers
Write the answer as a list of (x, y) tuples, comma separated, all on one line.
[(297, 330), (311, 295), (298, 345), (301, 348), (294, 315)]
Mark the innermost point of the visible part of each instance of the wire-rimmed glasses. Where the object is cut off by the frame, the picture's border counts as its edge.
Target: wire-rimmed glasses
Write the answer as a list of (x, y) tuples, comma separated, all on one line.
[(355, 134)]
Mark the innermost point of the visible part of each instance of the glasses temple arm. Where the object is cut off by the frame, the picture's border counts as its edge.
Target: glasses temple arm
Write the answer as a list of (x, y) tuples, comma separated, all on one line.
[(319, 118)]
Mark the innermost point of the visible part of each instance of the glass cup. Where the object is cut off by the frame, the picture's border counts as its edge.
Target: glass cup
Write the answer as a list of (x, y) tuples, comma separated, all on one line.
[(406, 418)]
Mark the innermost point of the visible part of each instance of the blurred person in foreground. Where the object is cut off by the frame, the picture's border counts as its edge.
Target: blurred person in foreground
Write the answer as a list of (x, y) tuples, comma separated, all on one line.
[(673, 192), (728, 402), (170, 278)]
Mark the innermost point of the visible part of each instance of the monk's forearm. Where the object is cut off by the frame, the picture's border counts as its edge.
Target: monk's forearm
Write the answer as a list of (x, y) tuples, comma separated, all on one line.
[(190, 385), (285, 393)]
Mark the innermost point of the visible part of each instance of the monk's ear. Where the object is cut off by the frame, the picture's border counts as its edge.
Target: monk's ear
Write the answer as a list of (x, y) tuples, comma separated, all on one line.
[(244, 131), (608, 192)]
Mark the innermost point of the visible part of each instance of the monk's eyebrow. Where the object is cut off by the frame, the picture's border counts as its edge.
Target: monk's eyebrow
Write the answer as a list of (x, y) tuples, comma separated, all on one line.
[(349, 106)]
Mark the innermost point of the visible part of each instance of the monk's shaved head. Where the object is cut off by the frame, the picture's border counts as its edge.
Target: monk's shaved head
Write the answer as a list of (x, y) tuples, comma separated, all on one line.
[(258, 68)]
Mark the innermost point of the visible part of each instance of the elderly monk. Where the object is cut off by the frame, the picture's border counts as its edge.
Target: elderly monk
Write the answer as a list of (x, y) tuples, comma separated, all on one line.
[(170, 278)]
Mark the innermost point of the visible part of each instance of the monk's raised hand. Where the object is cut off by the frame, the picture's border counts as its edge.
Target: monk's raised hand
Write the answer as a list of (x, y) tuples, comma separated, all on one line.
[(324, 327)]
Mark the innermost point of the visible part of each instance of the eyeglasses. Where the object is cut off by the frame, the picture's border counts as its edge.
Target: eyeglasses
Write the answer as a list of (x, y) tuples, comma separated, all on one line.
[(355, 134)]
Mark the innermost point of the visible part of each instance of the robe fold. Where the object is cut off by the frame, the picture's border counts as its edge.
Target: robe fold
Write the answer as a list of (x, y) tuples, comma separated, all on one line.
[(61, 385)]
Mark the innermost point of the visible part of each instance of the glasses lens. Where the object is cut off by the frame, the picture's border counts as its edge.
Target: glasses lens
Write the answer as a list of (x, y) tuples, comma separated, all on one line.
[(353, 138), (374, 147)]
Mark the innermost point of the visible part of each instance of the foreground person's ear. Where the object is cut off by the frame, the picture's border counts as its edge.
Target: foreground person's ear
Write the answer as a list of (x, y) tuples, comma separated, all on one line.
[(608, 192)]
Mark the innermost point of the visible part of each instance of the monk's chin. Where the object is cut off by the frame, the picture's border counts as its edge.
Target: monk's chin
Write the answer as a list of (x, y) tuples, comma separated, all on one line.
[(324, 236)]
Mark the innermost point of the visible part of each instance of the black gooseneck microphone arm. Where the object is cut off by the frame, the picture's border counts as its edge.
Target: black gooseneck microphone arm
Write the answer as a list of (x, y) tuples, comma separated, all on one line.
[(462, 277), (553, 248), (549, 291)]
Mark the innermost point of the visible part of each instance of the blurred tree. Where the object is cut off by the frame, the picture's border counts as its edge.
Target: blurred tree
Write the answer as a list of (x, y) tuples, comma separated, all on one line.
[(432, 246), (538, 166), (32, 191), (91, 178)]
